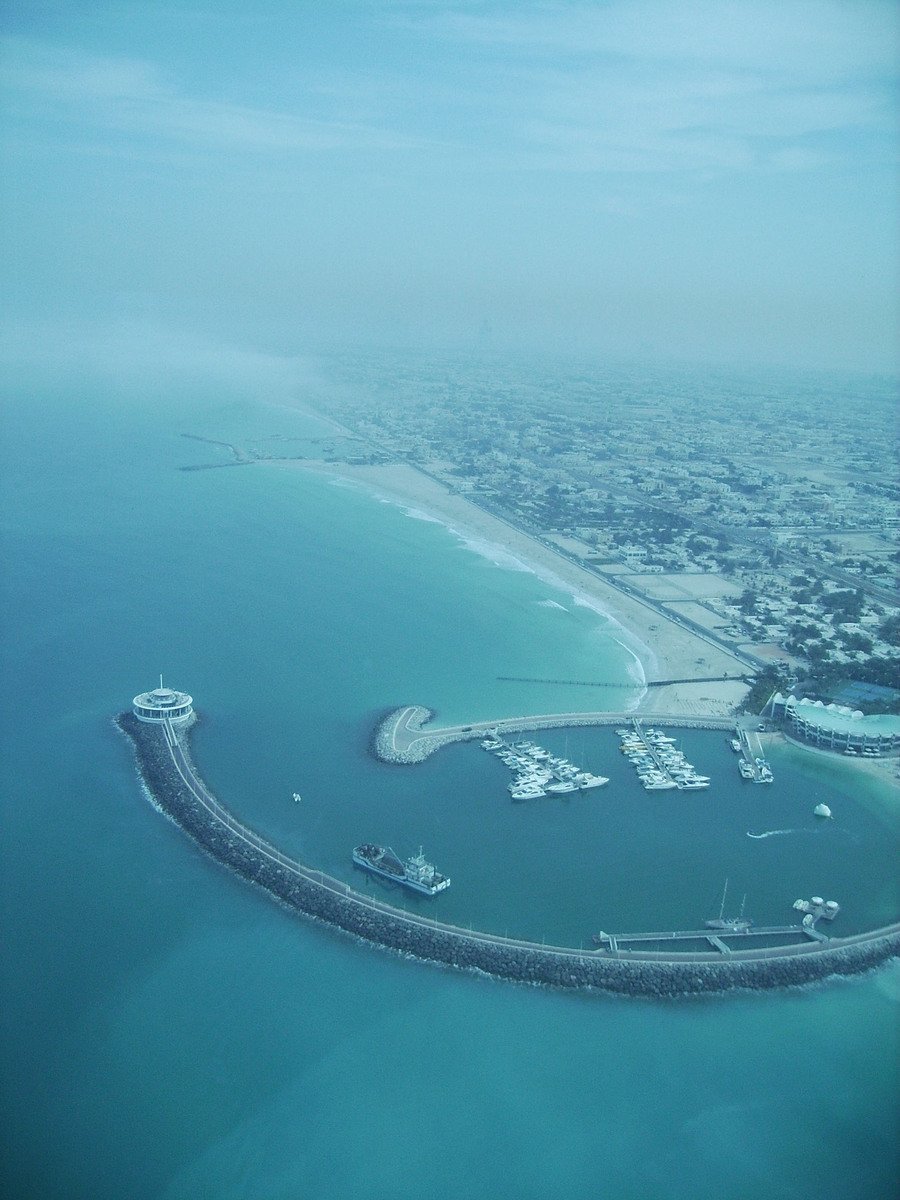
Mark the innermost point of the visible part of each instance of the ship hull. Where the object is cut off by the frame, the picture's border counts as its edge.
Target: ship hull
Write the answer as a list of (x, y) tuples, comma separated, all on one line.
[(423, 889)]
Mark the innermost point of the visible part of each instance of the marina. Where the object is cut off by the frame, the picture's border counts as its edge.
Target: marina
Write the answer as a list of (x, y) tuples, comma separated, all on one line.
[(173, 784), (752, 764), (659, 764), (718, 931), (537, 771)]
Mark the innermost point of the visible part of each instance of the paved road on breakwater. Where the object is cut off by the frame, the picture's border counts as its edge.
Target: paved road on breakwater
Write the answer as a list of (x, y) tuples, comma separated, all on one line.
[(174, 784), (406, 737)]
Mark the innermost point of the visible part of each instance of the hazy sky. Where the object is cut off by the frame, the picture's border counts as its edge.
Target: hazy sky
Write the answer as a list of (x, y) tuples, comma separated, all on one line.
[(709, 179)]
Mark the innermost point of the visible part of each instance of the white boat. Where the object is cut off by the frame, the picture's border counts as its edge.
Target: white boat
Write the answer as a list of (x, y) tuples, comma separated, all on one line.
[(297, 797), (739, 924), (564, 785), (822, 810), (585, 780), (526, 791), (528, 781)]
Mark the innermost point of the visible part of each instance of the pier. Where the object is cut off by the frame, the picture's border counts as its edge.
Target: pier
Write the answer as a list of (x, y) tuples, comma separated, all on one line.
[(173, 783), (718, 938), (754, 757)]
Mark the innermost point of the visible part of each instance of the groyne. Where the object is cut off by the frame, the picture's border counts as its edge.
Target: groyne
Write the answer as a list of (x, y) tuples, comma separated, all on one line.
[(405, 735), (167, 771)]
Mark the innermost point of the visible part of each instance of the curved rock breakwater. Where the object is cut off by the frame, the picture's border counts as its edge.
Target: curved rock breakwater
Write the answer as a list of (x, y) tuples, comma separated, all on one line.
[(172, 781), (405, 735)]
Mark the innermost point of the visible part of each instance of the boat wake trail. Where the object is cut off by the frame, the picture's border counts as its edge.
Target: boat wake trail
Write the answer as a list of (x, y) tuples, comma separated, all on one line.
[(771, 833)]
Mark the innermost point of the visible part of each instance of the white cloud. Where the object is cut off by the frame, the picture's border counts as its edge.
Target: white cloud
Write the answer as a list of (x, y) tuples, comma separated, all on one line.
[(795, 36), (134, 97), (655, 86)]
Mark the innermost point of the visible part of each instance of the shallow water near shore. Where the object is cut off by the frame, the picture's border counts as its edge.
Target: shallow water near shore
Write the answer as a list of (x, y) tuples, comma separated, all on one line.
[(170, 1032)]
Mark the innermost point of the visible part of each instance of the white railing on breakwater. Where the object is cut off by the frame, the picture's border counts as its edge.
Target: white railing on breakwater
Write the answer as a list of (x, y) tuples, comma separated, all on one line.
[(199, 791)]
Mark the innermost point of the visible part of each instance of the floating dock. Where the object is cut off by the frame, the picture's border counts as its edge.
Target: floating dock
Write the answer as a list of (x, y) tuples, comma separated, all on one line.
[(759, 770), (718, 939)]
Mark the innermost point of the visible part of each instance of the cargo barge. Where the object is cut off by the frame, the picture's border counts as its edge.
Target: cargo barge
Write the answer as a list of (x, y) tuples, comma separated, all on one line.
[(416, 873)]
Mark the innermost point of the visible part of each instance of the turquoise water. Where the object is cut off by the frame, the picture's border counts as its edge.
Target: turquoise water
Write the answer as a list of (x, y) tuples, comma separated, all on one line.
[(168, 1032)]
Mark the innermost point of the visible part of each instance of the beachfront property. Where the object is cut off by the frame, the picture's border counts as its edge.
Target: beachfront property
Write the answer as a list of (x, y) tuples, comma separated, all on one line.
[(835, 726), (672, 497)]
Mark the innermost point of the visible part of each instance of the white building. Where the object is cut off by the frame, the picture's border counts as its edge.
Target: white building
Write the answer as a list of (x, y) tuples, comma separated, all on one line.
[(161, 703)]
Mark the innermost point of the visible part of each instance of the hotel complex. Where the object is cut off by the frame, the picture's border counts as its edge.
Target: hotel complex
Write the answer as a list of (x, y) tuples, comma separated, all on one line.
[(835, 727)]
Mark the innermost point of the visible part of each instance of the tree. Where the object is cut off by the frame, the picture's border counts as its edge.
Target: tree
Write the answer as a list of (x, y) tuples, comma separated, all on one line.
[(747, 602)]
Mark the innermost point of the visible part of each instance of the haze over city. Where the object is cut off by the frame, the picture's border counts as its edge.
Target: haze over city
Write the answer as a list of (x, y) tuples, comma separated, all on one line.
[(699, 181)]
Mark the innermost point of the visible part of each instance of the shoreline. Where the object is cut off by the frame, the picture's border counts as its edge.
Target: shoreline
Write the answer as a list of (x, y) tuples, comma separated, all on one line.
[(661, 647)]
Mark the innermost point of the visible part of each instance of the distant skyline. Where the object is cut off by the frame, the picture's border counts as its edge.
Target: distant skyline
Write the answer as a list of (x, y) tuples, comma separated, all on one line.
[(710, 180)]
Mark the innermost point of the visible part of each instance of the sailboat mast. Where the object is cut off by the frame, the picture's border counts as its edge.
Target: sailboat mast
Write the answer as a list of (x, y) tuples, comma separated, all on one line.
[(722, 905)]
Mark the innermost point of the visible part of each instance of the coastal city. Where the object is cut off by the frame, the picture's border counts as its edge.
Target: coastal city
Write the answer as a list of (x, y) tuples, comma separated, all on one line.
[(760, 522)]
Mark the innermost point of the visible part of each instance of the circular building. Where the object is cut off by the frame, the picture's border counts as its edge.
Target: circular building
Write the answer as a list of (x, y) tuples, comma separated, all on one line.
[(163, 703), (836, 727)]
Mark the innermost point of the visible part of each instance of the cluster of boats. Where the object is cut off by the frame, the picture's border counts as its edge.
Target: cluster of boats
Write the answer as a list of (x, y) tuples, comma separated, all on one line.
[(753, 767), (758, 771), (659, 764), (538, 772)]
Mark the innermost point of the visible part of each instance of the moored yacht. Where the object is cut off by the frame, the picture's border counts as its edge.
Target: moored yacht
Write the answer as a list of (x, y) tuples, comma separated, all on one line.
[(585, 780)]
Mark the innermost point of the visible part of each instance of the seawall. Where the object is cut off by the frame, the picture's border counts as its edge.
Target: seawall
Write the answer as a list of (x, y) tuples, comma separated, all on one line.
[(406, 735), (166, 769)]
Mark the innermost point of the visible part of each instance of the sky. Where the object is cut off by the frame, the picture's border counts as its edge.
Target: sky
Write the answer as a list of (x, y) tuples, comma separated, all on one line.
[(702, 180)]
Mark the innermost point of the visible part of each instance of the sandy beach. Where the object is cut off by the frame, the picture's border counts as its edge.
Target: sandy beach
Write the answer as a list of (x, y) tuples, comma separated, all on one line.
[(665, 649)]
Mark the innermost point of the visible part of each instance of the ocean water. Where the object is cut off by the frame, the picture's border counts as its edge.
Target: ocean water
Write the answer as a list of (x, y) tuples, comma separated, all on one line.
[(170, 1032)]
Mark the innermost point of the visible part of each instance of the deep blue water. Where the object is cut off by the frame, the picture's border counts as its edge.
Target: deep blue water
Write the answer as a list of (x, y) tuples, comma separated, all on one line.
[(169, 1032)]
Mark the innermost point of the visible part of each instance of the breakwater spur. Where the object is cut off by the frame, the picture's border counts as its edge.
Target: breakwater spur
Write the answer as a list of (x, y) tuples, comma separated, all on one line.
[(171, 779), (404, 736)]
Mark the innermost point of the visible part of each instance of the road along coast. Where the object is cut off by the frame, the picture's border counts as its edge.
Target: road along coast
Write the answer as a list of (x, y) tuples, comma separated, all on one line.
[(666, 647), (169, 775)]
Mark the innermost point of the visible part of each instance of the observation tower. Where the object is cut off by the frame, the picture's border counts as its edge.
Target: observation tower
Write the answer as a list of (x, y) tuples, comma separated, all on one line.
[(161, 703)]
